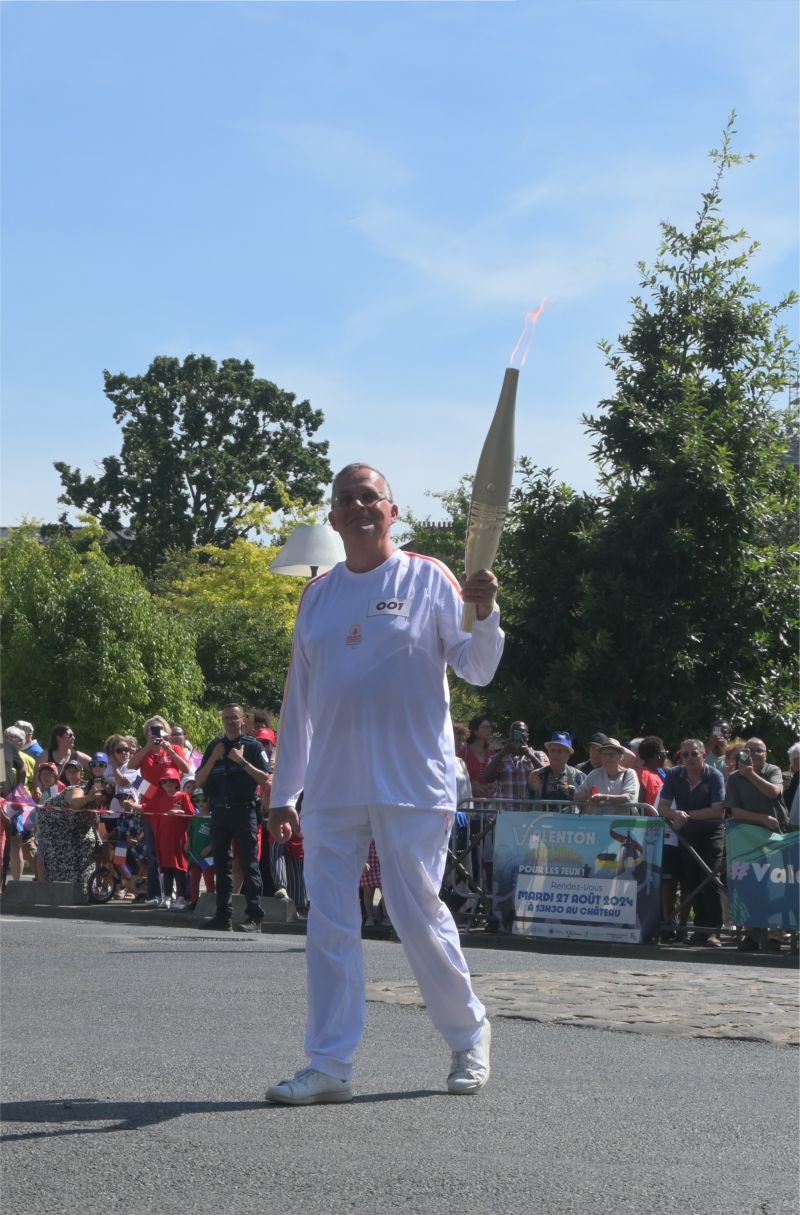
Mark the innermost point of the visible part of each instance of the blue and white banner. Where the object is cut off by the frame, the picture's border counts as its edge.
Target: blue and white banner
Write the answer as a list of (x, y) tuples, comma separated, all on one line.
[(594, 877), (763, 876)]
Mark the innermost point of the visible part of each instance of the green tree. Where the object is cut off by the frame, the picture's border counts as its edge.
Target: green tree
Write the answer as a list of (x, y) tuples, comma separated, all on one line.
[(83, 641), (685, 601), (544, 547), (201, 443), (242, 616), (666, 598), (243, 653)]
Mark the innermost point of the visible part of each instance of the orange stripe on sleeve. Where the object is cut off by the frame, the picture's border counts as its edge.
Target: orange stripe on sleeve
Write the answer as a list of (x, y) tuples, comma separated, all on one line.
[(439, 565)]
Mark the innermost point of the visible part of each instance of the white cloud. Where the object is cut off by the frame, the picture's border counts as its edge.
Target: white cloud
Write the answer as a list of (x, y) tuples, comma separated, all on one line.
[(342, 157)]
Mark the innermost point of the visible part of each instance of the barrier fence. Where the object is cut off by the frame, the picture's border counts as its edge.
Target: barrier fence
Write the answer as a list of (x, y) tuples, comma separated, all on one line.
[(546, 869)]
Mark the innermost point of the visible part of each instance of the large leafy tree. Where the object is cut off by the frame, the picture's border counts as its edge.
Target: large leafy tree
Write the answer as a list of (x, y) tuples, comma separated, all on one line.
[(201, 443), (686, 595), (667, 597), (242, 616), (84, 641)]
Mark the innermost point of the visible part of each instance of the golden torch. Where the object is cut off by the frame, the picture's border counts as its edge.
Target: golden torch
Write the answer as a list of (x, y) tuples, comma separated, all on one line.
[(491, 489)]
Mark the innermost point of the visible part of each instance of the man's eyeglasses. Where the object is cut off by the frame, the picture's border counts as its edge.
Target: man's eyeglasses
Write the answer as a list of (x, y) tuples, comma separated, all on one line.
[(97, 764), (367, 497), (689, 754)]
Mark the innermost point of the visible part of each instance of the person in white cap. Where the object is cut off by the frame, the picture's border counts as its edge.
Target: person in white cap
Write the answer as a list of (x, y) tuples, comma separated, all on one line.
[(365, 731), (32, 745)]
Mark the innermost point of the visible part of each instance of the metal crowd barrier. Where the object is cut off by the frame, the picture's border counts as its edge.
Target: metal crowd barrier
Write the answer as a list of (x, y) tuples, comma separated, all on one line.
[(467, 880)]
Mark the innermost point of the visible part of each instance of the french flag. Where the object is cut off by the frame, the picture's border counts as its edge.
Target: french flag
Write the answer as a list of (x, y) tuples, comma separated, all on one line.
[(20, 797), (121, 858), (26, 819), (22, 808)]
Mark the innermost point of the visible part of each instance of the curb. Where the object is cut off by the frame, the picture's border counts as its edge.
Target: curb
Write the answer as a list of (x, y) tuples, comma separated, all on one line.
[(137, 915)]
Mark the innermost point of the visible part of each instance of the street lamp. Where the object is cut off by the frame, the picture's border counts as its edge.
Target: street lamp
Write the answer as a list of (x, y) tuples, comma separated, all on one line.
[(311, 548)]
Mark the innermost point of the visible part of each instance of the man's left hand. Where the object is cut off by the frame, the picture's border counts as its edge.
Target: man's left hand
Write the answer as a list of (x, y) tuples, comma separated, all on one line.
[(236, 754), (481, 590)]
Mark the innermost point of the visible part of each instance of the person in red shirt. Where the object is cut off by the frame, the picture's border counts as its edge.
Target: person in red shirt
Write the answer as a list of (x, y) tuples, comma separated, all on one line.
[(169, 812), (476, 754), (650, 770), (152, 760), (157, 755)]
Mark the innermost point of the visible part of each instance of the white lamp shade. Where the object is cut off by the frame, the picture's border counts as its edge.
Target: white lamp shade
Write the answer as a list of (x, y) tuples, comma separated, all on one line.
[(311, 549)]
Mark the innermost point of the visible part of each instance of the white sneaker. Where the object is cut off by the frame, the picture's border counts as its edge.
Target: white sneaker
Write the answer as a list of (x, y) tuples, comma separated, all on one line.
[(469, 1069), (165, 904), (153, 902), (180, 904), (309, 1087), (281, 893)]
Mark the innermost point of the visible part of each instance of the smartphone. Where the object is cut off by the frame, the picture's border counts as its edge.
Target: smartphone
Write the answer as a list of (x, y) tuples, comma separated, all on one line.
[(156, 732)]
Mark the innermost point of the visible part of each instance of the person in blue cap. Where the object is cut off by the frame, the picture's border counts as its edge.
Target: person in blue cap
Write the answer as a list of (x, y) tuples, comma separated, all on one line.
[(557, 780)]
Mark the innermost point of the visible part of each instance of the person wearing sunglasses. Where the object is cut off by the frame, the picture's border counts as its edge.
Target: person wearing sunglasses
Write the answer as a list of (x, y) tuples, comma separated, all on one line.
[(365, 731), (119, 750), (697, 790)]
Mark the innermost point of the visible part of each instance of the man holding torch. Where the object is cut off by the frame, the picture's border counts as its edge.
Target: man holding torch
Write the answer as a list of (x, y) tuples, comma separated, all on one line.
[(365, 733)]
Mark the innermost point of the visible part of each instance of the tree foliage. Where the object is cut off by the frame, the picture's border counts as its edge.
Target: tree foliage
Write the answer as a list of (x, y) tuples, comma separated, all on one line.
[(685, 597), (242, 617), (201, 444), (666, 598), (83, 641)]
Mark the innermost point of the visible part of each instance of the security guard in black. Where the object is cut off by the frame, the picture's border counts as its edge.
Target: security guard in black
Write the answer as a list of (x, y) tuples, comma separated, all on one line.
[(233, 769)]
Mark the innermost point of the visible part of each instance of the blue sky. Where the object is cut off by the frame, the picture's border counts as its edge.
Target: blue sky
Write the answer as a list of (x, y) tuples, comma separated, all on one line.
[(364, 199)]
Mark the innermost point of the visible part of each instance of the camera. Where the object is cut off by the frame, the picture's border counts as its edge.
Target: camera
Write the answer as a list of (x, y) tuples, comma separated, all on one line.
[(745, 757), (156, 732), (517, 736)]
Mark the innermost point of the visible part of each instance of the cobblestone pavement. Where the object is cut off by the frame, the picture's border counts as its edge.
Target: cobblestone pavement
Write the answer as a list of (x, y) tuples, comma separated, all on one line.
[(675, 1004)]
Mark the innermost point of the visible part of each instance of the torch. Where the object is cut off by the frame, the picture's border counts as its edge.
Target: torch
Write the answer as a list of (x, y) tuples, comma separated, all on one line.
[(491, 489)]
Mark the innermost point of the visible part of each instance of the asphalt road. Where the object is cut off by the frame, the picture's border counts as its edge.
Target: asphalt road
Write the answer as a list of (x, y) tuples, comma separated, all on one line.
[(134, 1065)]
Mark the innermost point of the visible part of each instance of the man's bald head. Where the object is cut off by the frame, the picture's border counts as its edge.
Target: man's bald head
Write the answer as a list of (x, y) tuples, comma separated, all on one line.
[(350, 469)]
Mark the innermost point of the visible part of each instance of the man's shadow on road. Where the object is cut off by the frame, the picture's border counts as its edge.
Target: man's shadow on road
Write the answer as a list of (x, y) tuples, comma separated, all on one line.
[(61, 1116)]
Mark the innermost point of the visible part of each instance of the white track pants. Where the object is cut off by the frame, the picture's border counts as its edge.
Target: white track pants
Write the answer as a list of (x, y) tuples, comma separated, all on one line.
[(412, 849)]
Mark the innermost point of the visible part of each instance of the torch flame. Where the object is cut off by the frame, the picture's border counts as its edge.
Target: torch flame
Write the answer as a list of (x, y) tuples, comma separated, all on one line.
[(526, 337)]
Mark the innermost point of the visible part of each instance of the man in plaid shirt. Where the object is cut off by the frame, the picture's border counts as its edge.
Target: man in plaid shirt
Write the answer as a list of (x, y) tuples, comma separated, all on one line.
[(513, 764)]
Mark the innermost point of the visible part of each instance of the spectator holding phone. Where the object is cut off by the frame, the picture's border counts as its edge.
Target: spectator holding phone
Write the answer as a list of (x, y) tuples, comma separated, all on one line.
[(513, 764), (755, 788), (233, 770), (158, 754)]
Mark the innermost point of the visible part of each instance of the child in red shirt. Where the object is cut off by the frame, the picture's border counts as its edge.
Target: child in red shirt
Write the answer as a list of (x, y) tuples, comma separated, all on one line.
[(169, 811)]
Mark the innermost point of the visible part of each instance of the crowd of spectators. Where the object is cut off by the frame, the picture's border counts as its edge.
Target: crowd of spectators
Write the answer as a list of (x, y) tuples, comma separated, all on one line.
[(136, 808), (694, 789), (133, 809)]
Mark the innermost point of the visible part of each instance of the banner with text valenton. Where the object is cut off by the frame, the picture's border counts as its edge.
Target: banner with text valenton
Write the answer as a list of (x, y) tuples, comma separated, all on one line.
[(594, 877), (763, 875)]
